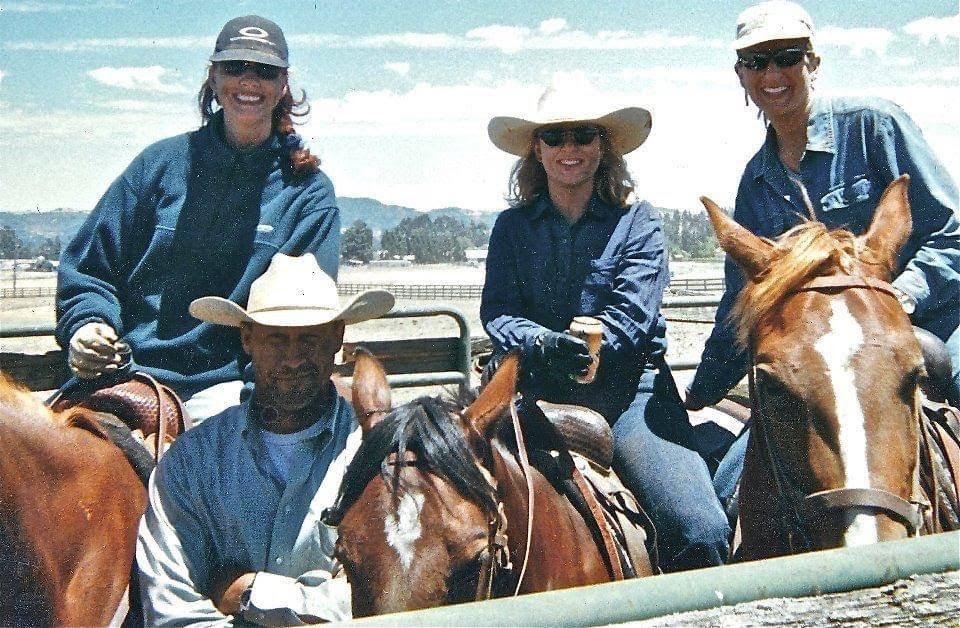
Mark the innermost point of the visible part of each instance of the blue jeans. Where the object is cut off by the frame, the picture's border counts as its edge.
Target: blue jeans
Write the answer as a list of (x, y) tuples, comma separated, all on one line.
[(655, 456)]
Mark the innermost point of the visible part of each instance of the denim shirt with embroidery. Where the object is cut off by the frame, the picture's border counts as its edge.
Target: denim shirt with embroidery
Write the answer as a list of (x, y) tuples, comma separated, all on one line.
[(855, 148)]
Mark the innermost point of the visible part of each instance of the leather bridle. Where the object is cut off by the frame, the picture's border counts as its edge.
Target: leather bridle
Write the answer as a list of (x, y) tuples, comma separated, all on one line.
[(798, 507)]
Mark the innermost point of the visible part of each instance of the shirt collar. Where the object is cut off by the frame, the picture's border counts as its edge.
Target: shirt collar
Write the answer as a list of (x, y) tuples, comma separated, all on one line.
[(215, 150), (596, 208), (820, 137), (252, 430)]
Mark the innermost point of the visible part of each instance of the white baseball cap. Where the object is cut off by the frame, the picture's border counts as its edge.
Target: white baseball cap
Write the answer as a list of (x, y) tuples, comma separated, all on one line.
[(771, 21)]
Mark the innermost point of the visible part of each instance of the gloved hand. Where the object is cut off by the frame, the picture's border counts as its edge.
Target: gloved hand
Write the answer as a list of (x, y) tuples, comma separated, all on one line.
[(563, 353), (95, 350)]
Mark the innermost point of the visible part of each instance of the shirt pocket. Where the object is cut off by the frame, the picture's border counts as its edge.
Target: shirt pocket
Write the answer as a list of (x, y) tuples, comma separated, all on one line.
[(598, 284), (850, 204)]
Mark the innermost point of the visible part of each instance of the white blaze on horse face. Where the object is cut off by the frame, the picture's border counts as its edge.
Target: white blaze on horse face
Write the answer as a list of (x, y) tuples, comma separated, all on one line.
[(403, 528), (837, 347)]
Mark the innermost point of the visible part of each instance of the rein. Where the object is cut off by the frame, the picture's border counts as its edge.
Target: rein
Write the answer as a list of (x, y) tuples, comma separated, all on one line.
[(797, 506)]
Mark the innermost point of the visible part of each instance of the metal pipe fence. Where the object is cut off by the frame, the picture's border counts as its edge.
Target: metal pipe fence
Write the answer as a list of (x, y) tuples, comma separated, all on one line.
[(407, 290)]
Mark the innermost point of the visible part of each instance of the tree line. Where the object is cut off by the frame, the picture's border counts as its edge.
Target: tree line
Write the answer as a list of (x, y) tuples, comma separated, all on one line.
[(689, 235), (13, 247)]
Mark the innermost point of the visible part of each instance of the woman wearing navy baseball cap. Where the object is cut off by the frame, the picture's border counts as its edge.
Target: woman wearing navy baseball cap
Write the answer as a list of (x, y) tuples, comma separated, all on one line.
[(193, 215)]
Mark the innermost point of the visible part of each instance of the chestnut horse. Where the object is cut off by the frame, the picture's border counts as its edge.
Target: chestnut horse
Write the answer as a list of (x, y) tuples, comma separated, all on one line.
[(433, 508), (833, 457), (70, 505)]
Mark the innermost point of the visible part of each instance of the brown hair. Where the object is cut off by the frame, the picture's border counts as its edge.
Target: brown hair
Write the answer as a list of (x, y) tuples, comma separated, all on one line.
[(612, 182), (300, 160)]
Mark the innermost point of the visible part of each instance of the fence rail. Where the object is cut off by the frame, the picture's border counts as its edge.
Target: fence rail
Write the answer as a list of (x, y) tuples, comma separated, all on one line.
[(409, 290)]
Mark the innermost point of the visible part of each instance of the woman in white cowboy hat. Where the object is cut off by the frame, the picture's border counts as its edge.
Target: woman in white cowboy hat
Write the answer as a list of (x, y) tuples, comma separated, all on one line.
[(571, 245), (232, 526)]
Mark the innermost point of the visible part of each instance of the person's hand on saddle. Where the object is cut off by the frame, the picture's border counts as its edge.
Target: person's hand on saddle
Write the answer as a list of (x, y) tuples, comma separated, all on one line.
[(563, 353), (96, 349)]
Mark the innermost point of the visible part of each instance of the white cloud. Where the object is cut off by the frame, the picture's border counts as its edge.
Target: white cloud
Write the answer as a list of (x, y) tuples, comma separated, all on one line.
[(400, 67), (2, 74), (56, 7), (941, 75), (551, 34), (553, 25), (943, 29), (857, 40), (149, 78), (686, 75), (82, 45)]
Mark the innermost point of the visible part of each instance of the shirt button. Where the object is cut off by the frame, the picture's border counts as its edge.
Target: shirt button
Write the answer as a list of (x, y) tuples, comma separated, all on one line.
[(279, 560), (286, 509), (786, 197)]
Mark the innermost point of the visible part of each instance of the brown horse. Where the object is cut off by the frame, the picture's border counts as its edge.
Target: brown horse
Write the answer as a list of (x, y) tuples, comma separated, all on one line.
[(70, 505), (433, 509), (833, 458)]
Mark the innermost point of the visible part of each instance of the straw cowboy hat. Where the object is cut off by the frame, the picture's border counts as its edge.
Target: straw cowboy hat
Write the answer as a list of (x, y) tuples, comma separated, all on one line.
[(293, 292), (627, 128)]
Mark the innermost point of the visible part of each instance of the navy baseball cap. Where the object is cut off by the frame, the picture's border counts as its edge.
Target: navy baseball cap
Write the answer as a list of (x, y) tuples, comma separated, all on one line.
[(251, 38)]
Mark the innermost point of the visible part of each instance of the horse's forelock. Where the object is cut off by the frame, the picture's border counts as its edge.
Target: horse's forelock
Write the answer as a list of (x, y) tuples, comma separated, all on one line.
[(427, 427), (806, 251)]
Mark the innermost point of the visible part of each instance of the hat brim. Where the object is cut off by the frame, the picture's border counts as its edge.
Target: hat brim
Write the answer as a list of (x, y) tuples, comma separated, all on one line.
[(365, 306), (254, 56), (627, 129), (771, 35)]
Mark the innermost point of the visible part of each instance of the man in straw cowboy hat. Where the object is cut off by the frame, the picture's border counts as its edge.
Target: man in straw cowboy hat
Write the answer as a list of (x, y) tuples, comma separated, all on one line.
[(572, 245), (233, 522)]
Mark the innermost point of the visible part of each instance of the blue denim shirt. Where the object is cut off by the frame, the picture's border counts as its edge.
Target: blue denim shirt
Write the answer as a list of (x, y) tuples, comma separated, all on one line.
[(855, 148), (543, 271), (214, 502)]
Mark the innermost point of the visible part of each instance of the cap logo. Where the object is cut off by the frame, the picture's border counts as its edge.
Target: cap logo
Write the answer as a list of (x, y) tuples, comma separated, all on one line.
[(254, 33)]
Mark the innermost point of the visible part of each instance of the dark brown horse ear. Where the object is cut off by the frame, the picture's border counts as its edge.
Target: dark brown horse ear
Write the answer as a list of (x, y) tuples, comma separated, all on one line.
[(496, 396), (749, 251), (891, 225), (371, 392)]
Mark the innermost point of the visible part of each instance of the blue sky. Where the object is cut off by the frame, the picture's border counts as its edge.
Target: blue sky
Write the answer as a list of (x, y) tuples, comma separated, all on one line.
[(402, 91)]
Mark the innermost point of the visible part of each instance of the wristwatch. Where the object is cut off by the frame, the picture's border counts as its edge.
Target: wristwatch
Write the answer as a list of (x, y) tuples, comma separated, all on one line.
[(907, 302)]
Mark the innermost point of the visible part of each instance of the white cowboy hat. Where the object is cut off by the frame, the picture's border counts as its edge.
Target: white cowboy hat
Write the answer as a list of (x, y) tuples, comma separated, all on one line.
[(627, 128), (293, 292), (772, 21)]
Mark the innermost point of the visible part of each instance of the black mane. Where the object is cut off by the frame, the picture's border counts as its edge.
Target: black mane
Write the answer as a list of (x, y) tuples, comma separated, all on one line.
[(427, 428)]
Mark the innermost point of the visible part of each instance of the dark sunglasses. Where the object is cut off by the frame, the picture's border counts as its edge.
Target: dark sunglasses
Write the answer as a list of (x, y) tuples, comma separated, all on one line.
[(784, 58), (557, 136), (237, 68)]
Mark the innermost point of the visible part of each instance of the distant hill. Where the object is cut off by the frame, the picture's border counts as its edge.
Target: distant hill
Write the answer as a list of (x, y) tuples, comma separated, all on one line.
[(33, 227), (688, 233)]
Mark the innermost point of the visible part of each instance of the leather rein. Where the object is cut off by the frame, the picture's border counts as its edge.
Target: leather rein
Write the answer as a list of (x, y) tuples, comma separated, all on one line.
[(797, 506)]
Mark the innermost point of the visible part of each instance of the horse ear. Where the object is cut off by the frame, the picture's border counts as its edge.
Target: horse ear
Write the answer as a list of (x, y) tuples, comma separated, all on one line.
[(891, 224), (496, 396), (371, 392), (749, 251)]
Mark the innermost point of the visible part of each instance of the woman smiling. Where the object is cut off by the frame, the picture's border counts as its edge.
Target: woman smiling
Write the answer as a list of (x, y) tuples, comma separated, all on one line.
[(198, 214)]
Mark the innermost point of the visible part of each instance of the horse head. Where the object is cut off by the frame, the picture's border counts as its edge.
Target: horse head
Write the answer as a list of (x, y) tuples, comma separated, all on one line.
[(836, 369), (418, 510)]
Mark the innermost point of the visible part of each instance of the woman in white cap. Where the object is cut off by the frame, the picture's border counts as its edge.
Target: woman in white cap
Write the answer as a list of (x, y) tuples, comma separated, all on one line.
[(571, 244), (833, 157), (198, 214)]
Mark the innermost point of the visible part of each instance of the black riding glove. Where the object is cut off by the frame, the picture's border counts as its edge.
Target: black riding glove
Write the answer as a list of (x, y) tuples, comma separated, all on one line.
[(563, 353)]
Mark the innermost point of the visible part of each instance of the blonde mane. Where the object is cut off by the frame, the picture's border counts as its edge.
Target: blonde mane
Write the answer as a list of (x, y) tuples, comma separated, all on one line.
[(806, 251)]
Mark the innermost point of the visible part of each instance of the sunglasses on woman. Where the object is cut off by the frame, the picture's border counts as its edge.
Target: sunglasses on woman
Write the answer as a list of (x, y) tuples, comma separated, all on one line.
[(238, 68), (557, 136), (784, 58)]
